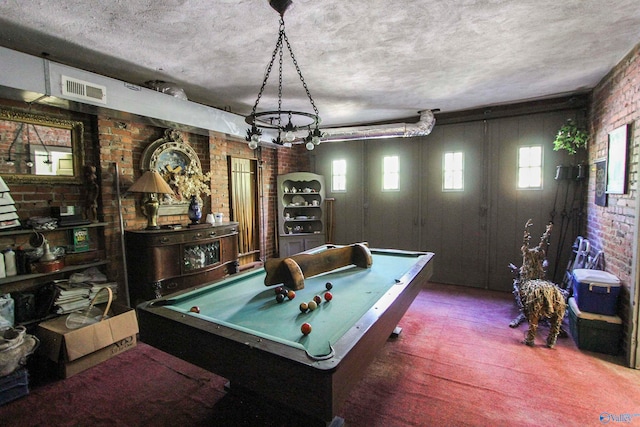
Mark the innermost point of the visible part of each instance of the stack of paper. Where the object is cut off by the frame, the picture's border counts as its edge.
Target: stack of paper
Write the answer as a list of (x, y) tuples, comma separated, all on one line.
[(72, 297), (103, 296)]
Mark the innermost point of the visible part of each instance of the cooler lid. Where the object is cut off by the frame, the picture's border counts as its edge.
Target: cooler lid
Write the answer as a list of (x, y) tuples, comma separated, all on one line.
[(585, 275), (573, 305)]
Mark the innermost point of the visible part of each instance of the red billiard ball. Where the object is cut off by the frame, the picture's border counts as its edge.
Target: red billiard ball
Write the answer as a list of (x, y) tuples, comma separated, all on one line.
[(278, 290), (195, 309), (305, 328), (291, 294), (304, 307), (279, 298), (317, 299), (312, 305), (328, 296), (329, 286)]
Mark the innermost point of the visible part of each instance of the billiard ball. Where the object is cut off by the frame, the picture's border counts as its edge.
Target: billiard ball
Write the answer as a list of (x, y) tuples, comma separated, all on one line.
[(279, 298), (312, 305), (329, 286), (291, 294), (328, 296), (195, 309), (278, 290), (305, 328), (304, 307), (317, 299)]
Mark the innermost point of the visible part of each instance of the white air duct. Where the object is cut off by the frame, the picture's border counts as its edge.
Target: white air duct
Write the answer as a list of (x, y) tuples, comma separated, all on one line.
[(422, 127)]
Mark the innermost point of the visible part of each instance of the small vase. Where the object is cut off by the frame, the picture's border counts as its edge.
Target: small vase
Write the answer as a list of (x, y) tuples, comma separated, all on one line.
[(194, 211)]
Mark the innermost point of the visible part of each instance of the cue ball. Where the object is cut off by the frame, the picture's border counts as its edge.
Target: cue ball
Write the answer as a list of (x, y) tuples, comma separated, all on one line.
[(328, 296), (291, 295), (304, 307), (195, 309), (317, 299), (279, 298), (305, 328), (329, 286), (312, 305)]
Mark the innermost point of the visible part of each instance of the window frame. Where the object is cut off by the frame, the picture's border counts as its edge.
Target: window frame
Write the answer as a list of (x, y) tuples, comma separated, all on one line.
[(519, 168), (444, 172), (386, 173)]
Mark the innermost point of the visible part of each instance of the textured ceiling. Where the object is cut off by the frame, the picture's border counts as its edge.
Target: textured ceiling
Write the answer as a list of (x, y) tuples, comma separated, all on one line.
[(363, 60)]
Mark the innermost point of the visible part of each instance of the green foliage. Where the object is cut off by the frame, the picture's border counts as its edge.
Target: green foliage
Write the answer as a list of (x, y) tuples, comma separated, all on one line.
[(571, 138)]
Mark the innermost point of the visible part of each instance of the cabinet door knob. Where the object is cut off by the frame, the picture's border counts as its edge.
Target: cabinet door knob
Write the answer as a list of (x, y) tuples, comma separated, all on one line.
[(164, 240), (212, 234)]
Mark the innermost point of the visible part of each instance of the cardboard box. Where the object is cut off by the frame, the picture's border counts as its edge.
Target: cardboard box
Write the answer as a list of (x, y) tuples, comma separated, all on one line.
[(594, 332), (75, 350), (596, 291)]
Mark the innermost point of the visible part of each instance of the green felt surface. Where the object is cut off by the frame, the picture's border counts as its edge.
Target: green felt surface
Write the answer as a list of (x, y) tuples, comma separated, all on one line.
[(245, 303)]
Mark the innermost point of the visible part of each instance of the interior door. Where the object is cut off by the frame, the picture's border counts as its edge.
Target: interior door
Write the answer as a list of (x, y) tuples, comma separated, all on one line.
[(511, 207), (454, 222), (391, 215)]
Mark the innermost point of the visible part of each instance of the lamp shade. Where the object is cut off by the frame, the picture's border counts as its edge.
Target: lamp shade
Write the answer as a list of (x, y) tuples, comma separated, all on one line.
[(151, 182)]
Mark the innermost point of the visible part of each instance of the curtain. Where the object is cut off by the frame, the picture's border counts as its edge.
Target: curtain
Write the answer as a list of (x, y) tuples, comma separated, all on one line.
[(243, 202)]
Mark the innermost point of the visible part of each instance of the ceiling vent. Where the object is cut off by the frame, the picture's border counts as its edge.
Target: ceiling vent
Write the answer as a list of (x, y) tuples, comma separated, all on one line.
[(84, 90)]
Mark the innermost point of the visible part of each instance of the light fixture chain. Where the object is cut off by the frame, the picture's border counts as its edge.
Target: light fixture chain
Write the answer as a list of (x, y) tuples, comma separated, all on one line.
[(295, 63), (282, 34), (268, 72)]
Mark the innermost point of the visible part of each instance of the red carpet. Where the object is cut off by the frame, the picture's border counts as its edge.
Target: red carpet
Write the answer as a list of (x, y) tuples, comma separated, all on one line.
[(456, 363)]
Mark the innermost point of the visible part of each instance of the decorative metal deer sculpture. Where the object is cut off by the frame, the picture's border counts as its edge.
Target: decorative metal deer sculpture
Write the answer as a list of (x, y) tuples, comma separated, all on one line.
[(538, 298)]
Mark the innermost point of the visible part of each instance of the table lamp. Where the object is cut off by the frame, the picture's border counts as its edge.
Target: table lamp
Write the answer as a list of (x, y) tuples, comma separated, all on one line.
[(153, 184)]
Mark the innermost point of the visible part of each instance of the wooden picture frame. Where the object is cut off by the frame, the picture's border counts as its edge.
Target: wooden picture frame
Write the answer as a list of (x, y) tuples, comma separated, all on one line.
[(617, 160), (600, 197)]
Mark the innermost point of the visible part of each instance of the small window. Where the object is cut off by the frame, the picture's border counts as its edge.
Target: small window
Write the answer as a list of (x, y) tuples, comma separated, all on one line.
[(339, 176), (453, 171), (530, 167), (390, 173)]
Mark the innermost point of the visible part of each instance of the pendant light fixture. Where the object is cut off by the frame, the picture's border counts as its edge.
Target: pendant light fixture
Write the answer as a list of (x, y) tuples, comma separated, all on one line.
[(285, 121)]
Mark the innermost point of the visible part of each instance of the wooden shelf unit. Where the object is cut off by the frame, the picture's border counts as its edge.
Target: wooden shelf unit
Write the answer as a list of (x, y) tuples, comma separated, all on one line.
[(301, 218)]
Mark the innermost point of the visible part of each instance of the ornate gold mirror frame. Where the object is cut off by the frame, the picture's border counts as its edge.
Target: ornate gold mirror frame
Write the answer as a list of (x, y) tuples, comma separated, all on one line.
[(40, 149), (170, 156)]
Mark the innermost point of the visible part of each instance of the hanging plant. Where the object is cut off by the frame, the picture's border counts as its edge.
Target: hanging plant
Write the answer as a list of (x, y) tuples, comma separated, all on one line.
[(571, 138)]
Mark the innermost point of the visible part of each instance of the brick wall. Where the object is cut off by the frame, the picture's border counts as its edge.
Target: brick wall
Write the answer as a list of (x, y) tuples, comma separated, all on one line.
[(109, 142), (616, 102)]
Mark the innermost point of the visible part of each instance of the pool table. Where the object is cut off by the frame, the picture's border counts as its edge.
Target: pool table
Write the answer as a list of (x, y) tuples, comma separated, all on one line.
[(244, 335)]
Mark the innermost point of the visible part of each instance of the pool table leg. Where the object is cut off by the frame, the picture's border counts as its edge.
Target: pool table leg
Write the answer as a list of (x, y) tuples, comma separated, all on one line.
[(335, 422)]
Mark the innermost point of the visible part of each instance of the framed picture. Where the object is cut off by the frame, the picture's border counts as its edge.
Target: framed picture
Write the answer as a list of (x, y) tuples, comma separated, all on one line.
[(617, 160), (601, 182)]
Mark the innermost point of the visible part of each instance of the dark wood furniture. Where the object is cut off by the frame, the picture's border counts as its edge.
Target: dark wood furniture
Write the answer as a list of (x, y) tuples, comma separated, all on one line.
[(164, 261), (244, 335)]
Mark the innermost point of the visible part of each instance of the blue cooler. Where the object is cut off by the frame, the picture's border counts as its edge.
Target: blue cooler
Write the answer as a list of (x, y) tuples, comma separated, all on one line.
[(594, 332), (596, 291), (14, 386)]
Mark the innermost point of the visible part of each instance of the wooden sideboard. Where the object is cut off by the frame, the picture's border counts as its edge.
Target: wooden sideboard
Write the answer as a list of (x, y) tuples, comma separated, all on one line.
[(160, 262)]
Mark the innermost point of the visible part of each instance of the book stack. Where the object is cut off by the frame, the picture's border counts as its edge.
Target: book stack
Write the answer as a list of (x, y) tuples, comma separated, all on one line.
[(8, 216)]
